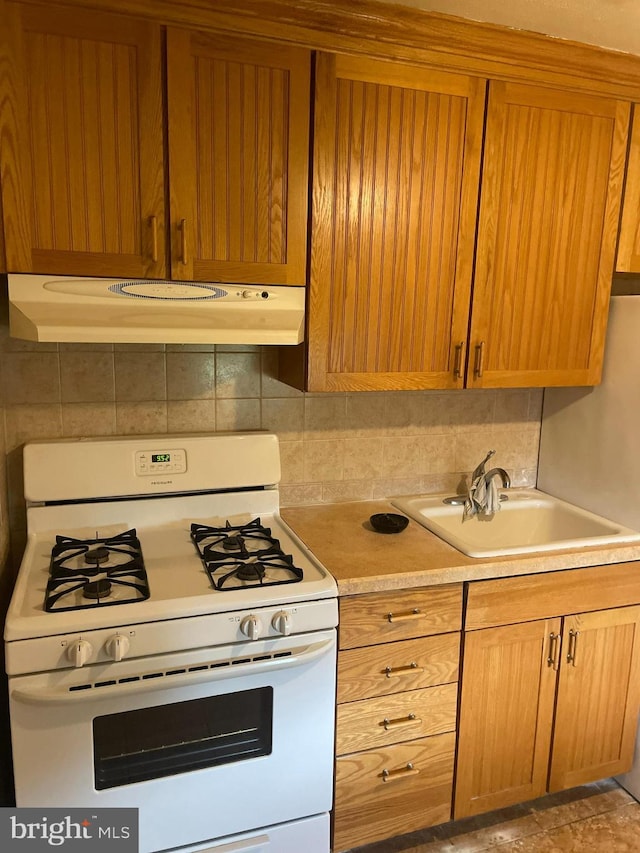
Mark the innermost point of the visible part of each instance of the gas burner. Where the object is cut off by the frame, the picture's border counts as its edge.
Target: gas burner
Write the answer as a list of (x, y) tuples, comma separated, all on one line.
[(97, 589), (95, 572), (234, 543), (250, 572), (96, 556), (243, 556)]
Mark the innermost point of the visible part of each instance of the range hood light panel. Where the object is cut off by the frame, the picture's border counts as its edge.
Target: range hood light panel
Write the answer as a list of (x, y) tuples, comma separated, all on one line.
[(105, 310)]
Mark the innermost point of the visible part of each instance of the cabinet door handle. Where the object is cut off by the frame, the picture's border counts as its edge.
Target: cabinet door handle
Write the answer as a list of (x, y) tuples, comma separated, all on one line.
[(405, 616), (552, 660), (457, 364), (390, 775), (390, 671), (478, 368), (573, 645), (183, 241), (409, 720), (153, 223)]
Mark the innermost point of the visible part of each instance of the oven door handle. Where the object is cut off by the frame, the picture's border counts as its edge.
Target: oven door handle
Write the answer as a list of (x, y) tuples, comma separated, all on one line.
[(171, 680)]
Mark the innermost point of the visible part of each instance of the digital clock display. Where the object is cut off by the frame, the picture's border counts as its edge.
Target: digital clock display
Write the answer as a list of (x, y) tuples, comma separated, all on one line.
[(161, 457)]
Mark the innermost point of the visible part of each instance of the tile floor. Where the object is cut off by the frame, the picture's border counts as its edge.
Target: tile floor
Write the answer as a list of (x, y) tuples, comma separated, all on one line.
[(597, 818)]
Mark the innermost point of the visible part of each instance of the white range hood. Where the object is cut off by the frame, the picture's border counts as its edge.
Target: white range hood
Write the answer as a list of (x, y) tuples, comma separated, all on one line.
[(106, 310)]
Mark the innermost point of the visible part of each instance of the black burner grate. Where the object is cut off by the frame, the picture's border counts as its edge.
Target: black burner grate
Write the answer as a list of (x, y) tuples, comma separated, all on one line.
[(246, 555), (86, 572)]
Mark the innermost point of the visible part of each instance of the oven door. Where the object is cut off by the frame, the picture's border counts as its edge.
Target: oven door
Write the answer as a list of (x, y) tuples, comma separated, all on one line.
[(205, 743)]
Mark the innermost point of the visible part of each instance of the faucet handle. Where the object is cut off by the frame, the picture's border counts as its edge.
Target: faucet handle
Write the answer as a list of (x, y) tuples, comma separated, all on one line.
[(479, 470)]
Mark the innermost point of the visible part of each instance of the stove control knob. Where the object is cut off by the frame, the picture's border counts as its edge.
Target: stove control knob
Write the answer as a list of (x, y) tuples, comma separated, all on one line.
[(251, 627), (117, 646), (79, 652), (282, 623)]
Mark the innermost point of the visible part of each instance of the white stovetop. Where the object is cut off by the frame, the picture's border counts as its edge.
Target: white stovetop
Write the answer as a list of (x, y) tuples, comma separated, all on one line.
[(178, 582)]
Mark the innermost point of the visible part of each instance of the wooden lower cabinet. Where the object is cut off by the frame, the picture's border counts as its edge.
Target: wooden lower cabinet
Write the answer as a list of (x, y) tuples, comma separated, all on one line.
[(598, 697), (547, 704), (506, 715), (396, 718), (389, 791)]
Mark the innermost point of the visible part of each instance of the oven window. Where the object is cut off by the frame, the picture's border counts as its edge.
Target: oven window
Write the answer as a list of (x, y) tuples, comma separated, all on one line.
[(149, 743)]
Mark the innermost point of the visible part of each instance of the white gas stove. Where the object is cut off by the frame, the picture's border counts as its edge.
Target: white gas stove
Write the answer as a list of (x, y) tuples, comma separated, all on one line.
[(171, 643)]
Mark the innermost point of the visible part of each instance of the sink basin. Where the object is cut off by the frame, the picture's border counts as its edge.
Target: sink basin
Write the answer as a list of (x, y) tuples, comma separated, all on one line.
[(527, 522)]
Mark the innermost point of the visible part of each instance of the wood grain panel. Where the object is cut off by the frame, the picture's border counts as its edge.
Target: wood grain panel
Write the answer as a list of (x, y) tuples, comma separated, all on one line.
[(92, 145), (551, 186), (363, 672), (401, 32), (238, 149), (628, 258), (598, 698), (384, 617), (394, 205), (369, 809), (529, 597), (506, 711), (382, 721)]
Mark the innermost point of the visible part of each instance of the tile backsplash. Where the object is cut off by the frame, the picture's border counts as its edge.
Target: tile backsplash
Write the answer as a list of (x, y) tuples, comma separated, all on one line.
[(334, 447)]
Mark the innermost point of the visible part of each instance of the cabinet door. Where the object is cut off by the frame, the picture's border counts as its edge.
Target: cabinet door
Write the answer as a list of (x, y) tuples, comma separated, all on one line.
[(81, 143), (239, 114), (628, 259), (598, 697), (396, 160), (506, 713), (551, 186)]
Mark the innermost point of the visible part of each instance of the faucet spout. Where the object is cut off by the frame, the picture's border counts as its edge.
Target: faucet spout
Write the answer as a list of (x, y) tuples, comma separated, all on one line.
[(499, 472)]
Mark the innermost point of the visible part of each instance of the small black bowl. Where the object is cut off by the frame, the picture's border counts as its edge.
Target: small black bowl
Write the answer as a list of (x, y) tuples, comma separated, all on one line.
[(388, 522)]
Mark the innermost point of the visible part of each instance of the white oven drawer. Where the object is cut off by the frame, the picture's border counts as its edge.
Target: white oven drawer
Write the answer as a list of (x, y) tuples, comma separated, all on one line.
[(198, 741), (310, 834)]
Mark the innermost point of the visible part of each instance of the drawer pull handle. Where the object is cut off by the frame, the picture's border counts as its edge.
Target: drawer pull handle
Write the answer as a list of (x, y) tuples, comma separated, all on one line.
[(390, 775), (410, 719), (405, 616), (402, 670)]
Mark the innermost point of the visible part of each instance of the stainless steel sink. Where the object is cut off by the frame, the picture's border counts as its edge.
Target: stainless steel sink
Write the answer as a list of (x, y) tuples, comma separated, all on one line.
[(527, 522)]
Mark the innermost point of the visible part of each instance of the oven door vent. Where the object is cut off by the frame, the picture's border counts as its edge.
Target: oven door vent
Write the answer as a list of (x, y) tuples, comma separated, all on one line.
[(190, 670)]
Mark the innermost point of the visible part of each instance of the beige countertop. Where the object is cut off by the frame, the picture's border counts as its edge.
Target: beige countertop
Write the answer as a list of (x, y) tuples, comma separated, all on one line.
[(362, 560)]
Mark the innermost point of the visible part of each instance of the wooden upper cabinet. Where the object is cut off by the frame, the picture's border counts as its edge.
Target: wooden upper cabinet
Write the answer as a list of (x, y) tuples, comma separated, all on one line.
[(81, 142), (628, 259), (396, 168), (238, 158), (551, 186)]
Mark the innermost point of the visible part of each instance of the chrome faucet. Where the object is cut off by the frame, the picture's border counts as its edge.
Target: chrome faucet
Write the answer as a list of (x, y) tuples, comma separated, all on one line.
[(481, 499), (498, 472)]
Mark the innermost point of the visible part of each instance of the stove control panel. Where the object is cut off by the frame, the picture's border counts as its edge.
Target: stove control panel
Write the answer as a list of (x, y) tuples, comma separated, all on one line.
[(156, 462)]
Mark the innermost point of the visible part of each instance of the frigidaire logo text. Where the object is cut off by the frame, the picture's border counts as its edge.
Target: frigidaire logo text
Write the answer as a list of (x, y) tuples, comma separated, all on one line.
[(161, 482), (58, 832)]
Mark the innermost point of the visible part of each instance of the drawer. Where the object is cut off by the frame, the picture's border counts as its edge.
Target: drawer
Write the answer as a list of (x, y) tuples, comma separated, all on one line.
[(527, 598), (368, 808), (386, 720), (382, 617), (404, 665)]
